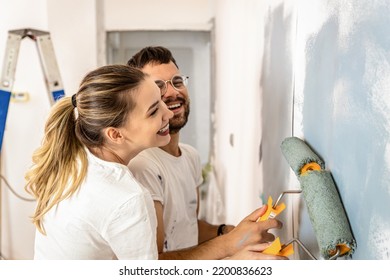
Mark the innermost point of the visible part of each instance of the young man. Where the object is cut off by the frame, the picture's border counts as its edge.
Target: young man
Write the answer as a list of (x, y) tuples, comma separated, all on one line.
[(173, 174)]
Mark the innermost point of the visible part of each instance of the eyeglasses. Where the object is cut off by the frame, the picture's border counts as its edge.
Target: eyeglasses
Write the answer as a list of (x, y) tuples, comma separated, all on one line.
[(178, 82)]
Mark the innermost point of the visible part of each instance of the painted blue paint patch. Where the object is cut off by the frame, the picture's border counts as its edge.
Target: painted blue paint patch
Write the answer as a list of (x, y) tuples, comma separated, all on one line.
[(346, 117)]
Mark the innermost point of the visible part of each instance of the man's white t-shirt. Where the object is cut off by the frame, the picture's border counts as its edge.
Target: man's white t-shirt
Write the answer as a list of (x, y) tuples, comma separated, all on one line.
[(173, 181), (111, 216)]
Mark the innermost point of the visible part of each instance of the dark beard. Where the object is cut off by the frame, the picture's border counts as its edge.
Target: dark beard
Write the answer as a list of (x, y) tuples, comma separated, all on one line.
[(177, 123)]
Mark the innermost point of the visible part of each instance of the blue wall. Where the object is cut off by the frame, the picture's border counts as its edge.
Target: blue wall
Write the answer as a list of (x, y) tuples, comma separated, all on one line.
[(346, 118), (341, 80)]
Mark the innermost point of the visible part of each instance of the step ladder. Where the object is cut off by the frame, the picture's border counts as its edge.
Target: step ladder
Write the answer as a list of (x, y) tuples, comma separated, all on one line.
[(48, 62)]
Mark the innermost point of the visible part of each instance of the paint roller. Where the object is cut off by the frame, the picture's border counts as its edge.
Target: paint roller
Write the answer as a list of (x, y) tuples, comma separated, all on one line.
[(325, 209)]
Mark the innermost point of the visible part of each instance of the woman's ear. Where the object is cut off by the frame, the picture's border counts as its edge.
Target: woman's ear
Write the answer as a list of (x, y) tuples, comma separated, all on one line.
[(113, 135)]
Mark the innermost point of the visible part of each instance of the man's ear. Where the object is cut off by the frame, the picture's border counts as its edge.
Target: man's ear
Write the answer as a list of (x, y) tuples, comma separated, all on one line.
[(113, 135)]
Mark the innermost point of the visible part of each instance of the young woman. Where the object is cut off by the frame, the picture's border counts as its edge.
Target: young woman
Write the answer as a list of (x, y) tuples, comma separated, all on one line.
[(89, 206)]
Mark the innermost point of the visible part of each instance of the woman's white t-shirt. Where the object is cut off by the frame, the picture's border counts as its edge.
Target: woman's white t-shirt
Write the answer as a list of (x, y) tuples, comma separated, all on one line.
[(111, 216)]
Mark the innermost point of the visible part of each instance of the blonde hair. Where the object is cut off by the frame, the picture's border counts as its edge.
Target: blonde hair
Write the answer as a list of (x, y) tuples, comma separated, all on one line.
[(60, 164)]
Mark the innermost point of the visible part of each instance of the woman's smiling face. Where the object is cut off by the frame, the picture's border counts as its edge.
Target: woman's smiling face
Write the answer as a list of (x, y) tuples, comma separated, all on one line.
[(147, 124)]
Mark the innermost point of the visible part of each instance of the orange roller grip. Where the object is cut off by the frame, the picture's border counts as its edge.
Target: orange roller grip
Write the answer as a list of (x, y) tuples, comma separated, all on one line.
[(309, 167)]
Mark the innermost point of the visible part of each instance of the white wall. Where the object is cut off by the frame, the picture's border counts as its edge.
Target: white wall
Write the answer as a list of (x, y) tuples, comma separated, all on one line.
[(73, 25), (239, 32), (155, 14)]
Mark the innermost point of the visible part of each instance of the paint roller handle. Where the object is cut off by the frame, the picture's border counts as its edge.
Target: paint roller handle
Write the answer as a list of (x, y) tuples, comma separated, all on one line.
[(283, 193), (255, 252), (249, 232)]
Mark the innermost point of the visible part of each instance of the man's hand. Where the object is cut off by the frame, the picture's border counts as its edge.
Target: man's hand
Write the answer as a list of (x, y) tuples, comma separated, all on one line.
[(250, 232)]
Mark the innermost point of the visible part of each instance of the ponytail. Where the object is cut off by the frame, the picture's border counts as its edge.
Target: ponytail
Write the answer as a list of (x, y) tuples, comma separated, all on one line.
[(59, 165)]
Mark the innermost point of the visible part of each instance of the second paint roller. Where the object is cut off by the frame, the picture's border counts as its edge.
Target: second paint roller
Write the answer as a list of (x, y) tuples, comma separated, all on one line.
[(326, 212)]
